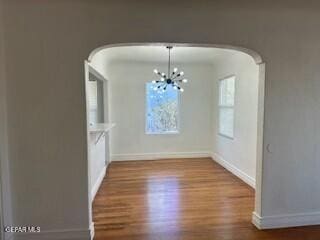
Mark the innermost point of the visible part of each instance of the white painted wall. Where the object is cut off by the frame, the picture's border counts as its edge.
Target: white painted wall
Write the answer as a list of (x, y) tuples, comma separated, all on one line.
[(238, 154), (127, 103), (98, 161), (49, 170), (98, 141)]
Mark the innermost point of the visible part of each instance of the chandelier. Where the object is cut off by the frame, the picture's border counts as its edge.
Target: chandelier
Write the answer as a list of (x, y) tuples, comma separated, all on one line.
[(172, 78)]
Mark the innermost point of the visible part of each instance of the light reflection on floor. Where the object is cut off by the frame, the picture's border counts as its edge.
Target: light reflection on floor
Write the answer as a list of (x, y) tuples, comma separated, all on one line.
[(163, 201)]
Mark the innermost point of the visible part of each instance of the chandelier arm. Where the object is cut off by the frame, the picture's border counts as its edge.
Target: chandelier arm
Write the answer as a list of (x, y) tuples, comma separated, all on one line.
[(176, 77), (173, 74), (160, 74), (175, 85), (180, 80)]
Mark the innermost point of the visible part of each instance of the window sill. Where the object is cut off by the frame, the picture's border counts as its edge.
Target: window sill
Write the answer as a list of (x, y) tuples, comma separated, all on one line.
[(101, 127), (163, 133)]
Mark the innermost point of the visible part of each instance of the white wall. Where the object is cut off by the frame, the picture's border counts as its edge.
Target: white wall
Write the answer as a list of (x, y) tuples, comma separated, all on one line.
[(98, 141), (44, 60), (127, 103), (238, 154), (97, 162)]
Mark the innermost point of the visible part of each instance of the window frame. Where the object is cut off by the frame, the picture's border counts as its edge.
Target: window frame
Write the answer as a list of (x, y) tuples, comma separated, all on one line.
[(146, 115), (225, 106), (92, 95), (98, 111)]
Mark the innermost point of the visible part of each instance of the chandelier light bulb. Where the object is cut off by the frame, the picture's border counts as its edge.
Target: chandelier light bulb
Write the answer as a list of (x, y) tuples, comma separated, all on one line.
[(173, 78)]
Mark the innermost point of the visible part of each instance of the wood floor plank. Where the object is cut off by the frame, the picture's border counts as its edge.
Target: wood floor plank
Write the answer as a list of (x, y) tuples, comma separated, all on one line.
[(180, 199)]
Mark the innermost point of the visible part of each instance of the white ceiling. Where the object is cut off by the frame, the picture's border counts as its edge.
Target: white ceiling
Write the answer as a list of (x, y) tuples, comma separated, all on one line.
[(160, 54)]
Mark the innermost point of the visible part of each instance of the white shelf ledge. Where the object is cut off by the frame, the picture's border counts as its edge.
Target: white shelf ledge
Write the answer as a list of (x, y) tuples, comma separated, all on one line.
[(101, 127)]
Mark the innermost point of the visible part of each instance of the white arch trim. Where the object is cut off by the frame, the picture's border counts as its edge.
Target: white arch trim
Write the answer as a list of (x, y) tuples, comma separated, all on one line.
[(257, 58)]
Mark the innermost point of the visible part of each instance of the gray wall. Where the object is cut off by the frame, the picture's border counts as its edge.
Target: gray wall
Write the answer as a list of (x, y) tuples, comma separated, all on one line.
[(5, 199), (47, 42), (46, 114)]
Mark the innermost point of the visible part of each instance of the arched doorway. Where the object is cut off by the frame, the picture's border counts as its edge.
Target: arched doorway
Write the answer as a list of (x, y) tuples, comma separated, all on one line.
[(261, 83)]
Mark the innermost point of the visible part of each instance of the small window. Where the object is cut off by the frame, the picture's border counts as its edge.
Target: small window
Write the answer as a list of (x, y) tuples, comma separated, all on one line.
[(226, 106), (162, 109), (95, 100)]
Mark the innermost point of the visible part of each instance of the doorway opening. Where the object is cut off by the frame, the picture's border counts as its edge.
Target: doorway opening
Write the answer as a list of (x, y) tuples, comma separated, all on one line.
[(219, 115)]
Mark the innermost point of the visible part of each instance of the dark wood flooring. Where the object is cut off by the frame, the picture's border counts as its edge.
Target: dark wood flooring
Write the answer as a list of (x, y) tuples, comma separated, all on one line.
[(180, 199)]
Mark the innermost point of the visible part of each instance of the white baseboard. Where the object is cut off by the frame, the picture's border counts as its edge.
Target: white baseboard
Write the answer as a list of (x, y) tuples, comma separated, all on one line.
[(98, 182), (66, 234), (92, 230), (155, 156), (284, 221), (234, 170)]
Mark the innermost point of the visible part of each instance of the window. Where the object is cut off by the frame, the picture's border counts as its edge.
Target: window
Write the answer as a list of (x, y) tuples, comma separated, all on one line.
[(95, 99), (162, 109), (93, 102), (226, 106)]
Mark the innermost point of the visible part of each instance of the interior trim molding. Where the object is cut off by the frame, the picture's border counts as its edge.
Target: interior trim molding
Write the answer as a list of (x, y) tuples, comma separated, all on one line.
[(63, 234), (234, 170), (98, 183), (256, 56), (284, 221), (157, 156), (92, 230)]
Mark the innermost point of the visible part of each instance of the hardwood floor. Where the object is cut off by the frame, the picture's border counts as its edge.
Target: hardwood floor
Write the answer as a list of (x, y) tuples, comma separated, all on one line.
[(179, 200)]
